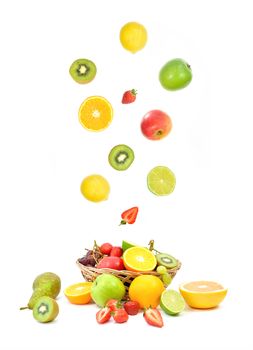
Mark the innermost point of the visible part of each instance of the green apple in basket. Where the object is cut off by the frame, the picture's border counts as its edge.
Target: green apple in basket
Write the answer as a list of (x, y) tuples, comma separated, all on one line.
[(106, 287)]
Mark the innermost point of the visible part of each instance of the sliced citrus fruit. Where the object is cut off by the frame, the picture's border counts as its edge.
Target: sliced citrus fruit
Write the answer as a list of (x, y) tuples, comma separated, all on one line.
[(139, 259), (147, 290), (172, 302), (95, 113), (161, 181), (203, 294), (95, 188), (79, 293)]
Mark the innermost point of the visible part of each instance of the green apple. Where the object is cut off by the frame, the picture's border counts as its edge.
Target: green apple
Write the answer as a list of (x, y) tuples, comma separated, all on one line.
[(175, 74), (106, 287)]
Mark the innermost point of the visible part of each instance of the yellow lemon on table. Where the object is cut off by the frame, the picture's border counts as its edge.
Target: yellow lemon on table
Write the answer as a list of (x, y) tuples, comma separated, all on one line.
[(133, 36), (203, 294), (95, 188), (79, 293), (147, 290)]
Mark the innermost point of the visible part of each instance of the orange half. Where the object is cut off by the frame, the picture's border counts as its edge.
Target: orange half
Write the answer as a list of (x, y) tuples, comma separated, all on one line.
[(95, 113), (203, 294), (139, 259), (79, 293)]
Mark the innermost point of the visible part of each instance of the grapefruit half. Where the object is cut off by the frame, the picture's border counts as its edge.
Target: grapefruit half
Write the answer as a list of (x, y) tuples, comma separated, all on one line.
[(202, 294)]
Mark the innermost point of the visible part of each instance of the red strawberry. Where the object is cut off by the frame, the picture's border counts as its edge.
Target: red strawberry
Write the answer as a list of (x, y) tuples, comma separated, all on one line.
[(116, 251), (129, 216), (129, 96), (120, 316), (114, 304), (132, 307), (153, 317), (103, 315)]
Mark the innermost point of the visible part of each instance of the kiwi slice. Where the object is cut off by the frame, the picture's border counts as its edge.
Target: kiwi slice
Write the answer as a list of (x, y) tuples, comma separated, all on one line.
[(45, 310), (121, 157), (166, 260), (83, 71)]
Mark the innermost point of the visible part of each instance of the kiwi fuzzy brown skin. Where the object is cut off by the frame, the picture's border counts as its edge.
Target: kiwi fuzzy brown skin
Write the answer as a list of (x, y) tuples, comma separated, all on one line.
[(83, 71), (121, 157)]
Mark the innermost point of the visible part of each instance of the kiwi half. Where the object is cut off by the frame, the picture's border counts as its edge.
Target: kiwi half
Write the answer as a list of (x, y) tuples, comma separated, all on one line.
[(45, 310), (121, 157), (83, 70), (166, 260)]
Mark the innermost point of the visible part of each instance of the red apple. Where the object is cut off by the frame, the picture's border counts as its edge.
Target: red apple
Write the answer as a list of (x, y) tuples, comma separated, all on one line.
[(156, 125)]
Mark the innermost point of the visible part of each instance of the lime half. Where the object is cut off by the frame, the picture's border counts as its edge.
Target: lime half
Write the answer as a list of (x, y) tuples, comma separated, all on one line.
[(161, 181), (172, 302), (125, 245)]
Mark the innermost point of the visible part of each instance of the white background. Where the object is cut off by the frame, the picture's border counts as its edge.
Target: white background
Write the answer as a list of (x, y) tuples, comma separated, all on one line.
[(45, 153)]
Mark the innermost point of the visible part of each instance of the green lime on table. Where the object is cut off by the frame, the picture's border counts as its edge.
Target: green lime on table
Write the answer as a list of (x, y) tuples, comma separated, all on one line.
[(161, 181), (172, 302)]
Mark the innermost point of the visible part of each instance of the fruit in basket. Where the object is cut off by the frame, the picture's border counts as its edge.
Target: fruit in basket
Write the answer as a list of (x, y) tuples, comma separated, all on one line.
[(161, 181), (88, 259), (120, 316), (116, 251), (126, 245), (79, 293), (166, 278), (153, 317), (103, 315), (83, 70), (95, 188), (203, 294), (161, 270), (133, 36), (106, 248), (106, 287), (172, 302), (139, 259), (129, 216), (132, 307), (175, 74), (45, 284), (121, 157), (45, 309), (155, 125), (166, 260), (147, 290), (111, 262)]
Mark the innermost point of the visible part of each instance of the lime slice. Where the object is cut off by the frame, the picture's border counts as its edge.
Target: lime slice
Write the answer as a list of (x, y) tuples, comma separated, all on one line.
[(172, 302), (161, 181), (125, 245)]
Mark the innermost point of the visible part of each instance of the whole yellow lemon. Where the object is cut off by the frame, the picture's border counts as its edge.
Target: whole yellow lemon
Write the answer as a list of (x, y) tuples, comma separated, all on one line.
[(133, 36), (95, 188)]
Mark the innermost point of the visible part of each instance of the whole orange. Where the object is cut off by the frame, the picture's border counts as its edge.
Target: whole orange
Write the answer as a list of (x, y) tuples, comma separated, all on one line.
[(147, 290)]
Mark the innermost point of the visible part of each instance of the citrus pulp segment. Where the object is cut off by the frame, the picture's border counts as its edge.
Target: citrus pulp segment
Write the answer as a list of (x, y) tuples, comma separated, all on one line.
[(139, 259), (95, 113), (79, 293), (161, 181), (203, 294), (172, 302)]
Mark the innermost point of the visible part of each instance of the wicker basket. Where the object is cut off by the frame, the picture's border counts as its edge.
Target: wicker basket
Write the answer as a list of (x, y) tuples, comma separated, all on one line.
[(126, 276)]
